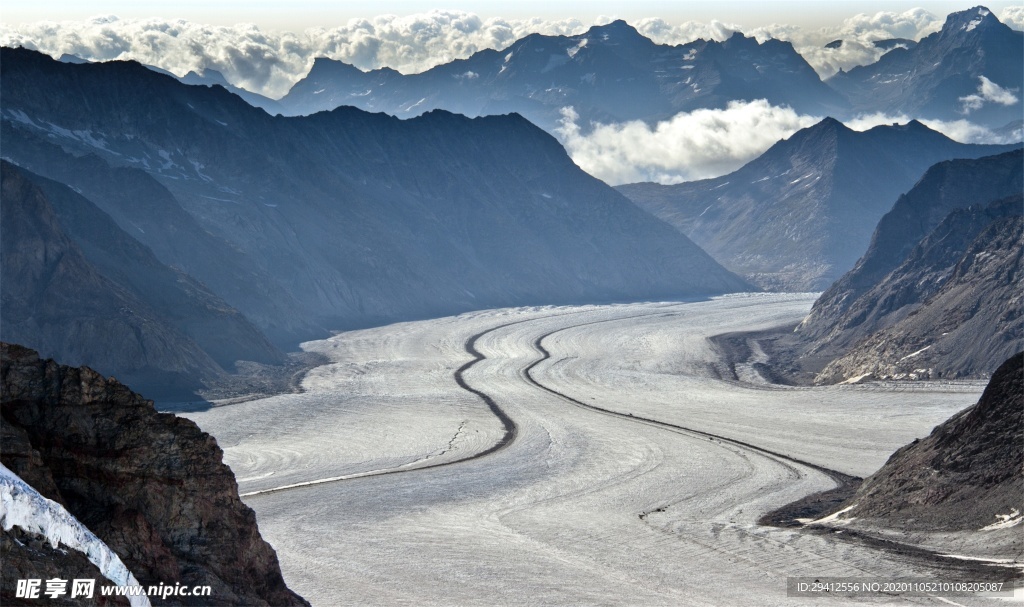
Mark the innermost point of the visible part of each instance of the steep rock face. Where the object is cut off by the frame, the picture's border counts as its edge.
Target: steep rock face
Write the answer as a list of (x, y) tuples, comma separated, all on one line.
[(141, 206), (799, 216), (611, 73), (846, 313), (350, 218), (966, 475), (952, 309), (941, 76), (56, 300), (152, 486), (221, 331)]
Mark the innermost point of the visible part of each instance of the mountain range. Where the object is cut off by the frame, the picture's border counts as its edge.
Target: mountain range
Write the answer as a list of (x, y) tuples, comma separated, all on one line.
[(611, 73), (344, 218), (940, 77), (971, 68), (801, 214)]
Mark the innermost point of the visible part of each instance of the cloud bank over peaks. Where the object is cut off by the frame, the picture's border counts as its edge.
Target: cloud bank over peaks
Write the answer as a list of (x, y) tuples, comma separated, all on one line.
[(709, 143), (1013, 16), (270, 62)]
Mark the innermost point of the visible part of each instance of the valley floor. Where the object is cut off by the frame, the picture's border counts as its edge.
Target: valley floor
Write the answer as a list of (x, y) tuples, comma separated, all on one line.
[(625, 471)]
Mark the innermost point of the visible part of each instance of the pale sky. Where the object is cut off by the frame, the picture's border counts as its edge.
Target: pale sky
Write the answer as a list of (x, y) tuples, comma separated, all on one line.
[(301, 14)]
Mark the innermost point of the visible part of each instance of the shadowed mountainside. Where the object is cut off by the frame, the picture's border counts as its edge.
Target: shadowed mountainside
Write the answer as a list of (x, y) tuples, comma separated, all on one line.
[(864, 300), (342, 219), (801, 214), (952, 309)]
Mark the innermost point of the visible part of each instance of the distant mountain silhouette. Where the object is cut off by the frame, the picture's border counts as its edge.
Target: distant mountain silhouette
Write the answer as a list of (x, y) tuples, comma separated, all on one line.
[(611, 73), (210, 77), (933, 78), (800, 215)]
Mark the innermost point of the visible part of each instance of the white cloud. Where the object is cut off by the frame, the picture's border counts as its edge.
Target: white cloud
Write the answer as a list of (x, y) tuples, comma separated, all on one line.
[(691, 145), (1013, 16), (709, 143), (858, 33), (988, 91), (664, 32), (969, 132), (270, 62)]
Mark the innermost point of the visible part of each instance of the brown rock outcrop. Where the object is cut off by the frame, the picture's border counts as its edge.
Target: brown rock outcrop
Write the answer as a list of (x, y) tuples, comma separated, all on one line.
[(151, 485), (966, 475)]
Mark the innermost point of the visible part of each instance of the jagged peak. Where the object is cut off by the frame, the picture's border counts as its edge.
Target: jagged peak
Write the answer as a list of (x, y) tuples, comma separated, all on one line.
[(970, 20), (828, 123), (914, 126)]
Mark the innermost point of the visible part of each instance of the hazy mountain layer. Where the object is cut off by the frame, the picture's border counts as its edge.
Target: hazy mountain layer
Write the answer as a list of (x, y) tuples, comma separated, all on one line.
[(611, 73), (800, 215), (54, 298), (941, 76), (348, 218), (221, 331)]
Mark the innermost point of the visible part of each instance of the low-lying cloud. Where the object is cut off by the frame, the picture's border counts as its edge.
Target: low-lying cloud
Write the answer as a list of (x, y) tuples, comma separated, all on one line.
[(270, 62), (988, 92), (709, 143), (691, 145)]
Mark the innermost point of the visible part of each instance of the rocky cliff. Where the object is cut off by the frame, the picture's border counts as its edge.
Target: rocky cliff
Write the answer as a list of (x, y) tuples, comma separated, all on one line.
[(967, 475), (150, 485), (845, 313), (952, 309), (937, 292)]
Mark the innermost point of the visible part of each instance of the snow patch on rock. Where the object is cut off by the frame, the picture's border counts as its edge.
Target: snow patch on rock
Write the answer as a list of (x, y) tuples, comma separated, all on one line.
[(22, 506)]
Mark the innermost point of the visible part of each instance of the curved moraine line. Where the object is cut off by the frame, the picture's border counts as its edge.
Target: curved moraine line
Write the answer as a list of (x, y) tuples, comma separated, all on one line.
[(511, 430), (840, 478)]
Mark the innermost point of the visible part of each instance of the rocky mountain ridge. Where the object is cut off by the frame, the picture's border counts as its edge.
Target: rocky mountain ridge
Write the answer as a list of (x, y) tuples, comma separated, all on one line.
[(611, 73), (342, 219), (943, 76), (951, 309), (846, 313)]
